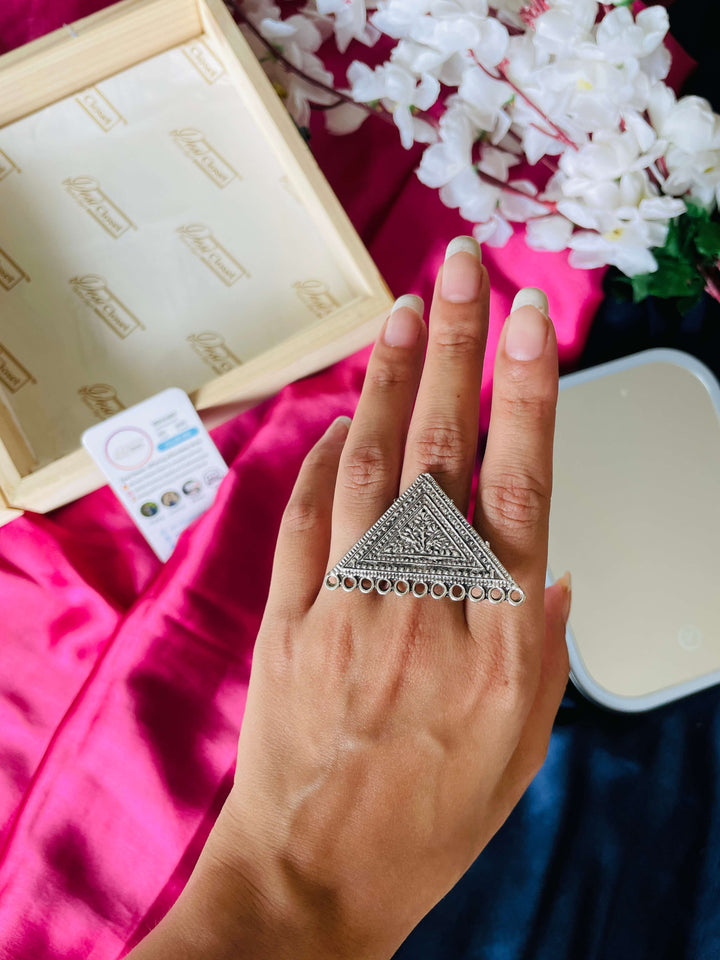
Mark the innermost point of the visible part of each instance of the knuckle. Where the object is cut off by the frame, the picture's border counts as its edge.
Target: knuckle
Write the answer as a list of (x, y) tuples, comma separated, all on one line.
[(527, 407), (517, 500), (365, 468), (385, 377), (302, 513), (441, 445), (459, 340)]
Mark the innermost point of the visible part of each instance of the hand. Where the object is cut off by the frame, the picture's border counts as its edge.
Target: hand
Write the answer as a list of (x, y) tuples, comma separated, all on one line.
[(386, 739)]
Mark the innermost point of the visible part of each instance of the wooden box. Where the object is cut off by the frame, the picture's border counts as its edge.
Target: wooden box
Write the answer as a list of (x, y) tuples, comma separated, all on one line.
[(162, 223)]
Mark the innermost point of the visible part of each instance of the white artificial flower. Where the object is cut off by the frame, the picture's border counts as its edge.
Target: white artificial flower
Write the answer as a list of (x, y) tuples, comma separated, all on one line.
[(625, 248), (394, 18), (604, 204), (565, 24), (519, 203), (296, 39), (494, 232), (606, 157), (593, 94), (452, 153), (488, 100), (695, 174), (257, 10), (548, 233), (692, 159), (621, 37), (345, 118), (689, 122), (473, 197), (293, 36), (657, 66), (399, 91), (623, 220), (527, 80), (349, 22), (497, 164)]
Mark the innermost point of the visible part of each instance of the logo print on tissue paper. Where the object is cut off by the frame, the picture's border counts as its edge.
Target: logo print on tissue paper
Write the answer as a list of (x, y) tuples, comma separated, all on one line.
[(10, 273), (316, 297), (201, 241), (204, 61), (88, 194), (212, 350), (13, 374), (93, 290), (194, 145), (97, 106), (102, 399)]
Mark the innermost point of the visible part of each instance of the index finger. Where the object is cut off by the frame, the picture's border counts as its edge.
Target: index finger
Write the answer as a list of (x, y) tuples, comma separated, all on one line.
[(513, 502)]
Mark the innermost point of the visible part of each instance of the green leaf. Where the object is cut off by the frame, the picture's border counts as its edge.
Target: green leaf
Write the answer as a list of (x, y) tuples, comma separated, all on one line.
[(707, 240), (693, 240), (641, 286), (674, 241), (696, 212), (673, 278)]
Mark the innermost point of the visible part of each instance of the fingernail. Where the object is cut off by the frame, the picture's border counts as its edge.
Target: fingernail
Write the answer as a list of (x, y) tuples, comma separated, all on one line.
[(531, 297), (527, 330), (462, 276), (566, 582), (402, 327), (338, 429)]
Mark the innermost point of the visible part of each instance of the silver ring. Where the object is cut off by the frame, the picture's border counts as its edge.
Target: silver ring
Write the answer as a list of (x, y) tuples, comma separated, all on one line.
[(423, 546)]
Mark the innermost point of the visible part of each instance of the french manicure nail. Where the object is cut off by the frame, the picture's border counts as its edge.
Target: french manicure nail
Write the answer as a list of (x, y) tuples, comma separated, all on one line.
[(402, 327), (527, 329), (566, 583), (338, 429), (531, 297), (462, 276)]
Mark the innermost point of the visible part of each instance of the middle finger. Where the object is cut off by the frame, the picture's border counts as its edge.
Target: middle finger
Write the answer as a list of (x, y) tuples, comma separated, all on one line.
[(442, 438)]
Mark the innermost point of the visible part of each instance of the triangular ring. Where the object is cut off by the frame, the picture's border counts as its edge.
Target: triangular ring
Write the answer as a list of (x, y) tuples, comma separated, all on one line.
[(422, 545)]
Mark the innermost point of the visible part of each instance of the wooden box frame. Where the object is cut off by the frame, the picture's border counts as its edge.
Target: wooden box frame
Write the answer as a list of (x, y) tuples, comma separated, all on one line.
[(98, 46)]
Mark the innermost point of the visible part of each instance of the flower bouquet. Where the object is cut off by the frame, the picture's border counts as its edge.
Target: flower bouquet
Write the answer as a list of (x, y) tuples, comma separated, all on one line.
[(553, 114)]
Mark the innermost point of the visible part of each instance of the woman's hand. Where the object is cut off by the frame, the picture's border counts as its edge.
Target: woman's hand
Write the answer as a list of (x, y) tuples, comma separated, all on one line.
[(386, 739)]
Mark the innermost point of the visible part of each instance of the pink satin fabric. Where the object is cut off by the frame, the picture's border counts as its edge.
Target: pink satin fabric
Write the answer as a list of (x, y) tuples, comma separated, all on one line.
[(122, 681)]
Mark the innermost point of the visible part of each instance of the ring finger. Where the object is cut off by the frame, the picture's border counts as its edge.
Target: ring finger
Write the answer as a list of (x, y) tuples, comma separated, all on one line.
[(369, 470)]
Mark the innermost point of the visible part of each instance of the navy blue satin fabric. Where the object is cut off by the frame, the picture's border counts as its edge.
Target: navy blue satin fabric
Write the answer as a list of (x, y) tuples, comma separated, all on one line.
[(614, 852)]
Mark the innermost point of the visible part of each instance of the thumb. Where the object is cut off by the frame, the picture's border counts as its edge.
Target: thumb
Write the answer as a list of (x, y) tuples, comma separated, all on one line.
[(555, 666), (558, 598)]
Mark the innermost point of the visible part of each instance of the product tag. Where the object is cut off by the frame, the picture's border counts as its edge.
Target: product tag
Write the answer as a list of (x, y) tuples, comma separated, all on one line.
[(161, 464)]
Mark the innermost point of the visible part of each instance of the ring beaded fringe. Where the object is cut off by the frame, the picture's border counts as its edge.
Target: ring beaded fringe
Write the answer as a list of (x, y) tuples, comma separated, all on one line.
[(421, 588)]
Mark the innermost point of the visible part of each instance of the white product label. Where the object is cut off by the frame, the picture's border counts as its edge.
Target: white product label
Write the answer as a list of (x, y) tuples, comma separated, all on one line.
[(161, 463)]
